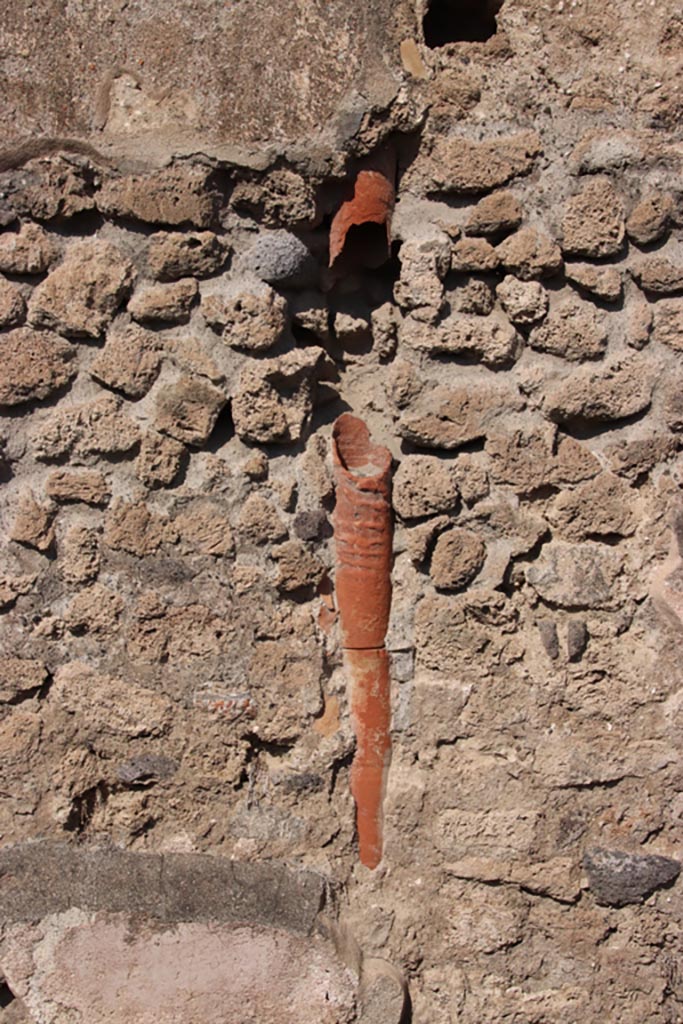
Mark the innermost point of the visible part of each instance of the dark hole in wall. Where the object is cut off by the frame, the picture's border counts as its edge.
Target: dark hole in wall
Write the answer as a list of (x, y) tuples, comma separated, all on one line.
[(6, 995), (366, 246), (460, 21)]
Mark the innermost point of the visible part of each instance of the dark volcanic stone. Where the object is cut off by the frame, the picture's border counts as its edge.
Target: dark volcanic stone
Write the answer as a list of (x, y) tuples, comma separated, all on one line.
[(617, 878), (577, 639), (145, 769), (548, 631), (311, 525)]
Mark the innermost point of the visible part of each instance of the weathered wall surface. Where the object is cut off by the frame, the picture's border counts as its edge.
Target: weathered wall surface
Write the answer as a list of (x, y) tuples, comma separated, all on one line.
[(174, 351)]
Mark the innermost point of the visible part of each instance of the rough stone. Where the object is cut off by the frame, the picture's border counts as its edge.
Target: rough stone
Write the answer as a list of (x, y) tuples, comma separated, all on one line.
[(297, 568), (383, 993), (423, 486), (100, 427), (80, 296), (312, 525), (617, 878), (403, 383), (621, 389), (525, 302), (21, 677), (673, 404), (274, 399), (145, 770), (658, 276), (173, 255), (598, 508), (188, 410), (474, 255), (668, 324), (173, 196), (549, 638), (496, 214), (79, 552), (649, 220), (576, 575), (605, 151), (638, 324), (32, 524), (281, 198), (36, 364), (531, 460), (452, 417), (384, 330), (12, 305), (249, 317), (279, 257), (133, 527), (593, 223), (491, 340), (424, 264), (529, 254), (419, 539), (352, 325), (166, 303), (160, 459), (12, 587), (463, 166), (105, 704), (634, 459), (577, 639), (45, 878), (449, 627), (203, 527), (458, 557), (572, 330), (309, 312), (603, 283), (87, 485), (260, 522), (472, 295), (27, 251), (94, 611), (471, 478), (51, 187), (129, 361)]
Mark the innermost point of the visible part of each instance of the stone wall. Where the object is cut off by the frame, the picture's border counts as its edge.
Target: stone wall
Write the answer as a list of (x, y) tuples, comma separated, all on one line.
[(175, 349)]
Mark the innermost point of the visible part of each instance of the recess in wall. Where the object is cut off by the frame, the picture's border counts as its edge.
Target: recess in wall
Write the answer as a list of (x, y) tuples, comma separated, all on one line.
[(460, 21)]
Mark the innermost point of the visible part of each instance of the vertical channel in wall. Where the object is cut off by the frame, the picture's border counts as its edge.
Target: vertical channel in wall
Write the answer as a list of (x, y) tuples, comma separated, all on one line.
[(363, 537)]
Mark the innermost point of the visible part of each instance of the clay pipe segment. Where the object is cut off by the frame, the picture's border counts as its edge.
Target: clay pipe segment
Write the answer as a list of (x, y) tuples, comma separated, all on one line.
[(371, 718), (363, 534), (371, 202)]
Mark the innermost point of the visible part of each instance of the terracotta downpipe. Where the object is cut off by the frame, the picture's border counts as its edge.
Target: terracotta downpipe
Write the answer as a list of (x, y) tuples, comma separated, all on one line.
[(371, 202), (363, 538)]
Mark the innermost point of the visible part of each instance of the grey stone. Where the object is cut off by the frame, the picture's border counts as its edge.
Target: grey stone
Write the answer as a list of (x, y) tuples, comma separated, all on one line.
[(576, 575), (617, 878), (548, 633), (46, 877), (279, 257), (311, 525), (577, 639), (145, 769)]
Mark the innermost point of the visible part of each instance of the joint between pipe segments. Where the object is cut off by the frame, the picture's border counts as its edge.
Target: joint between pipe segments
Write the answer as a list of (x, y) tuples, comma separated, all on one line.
[(382, 647)]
